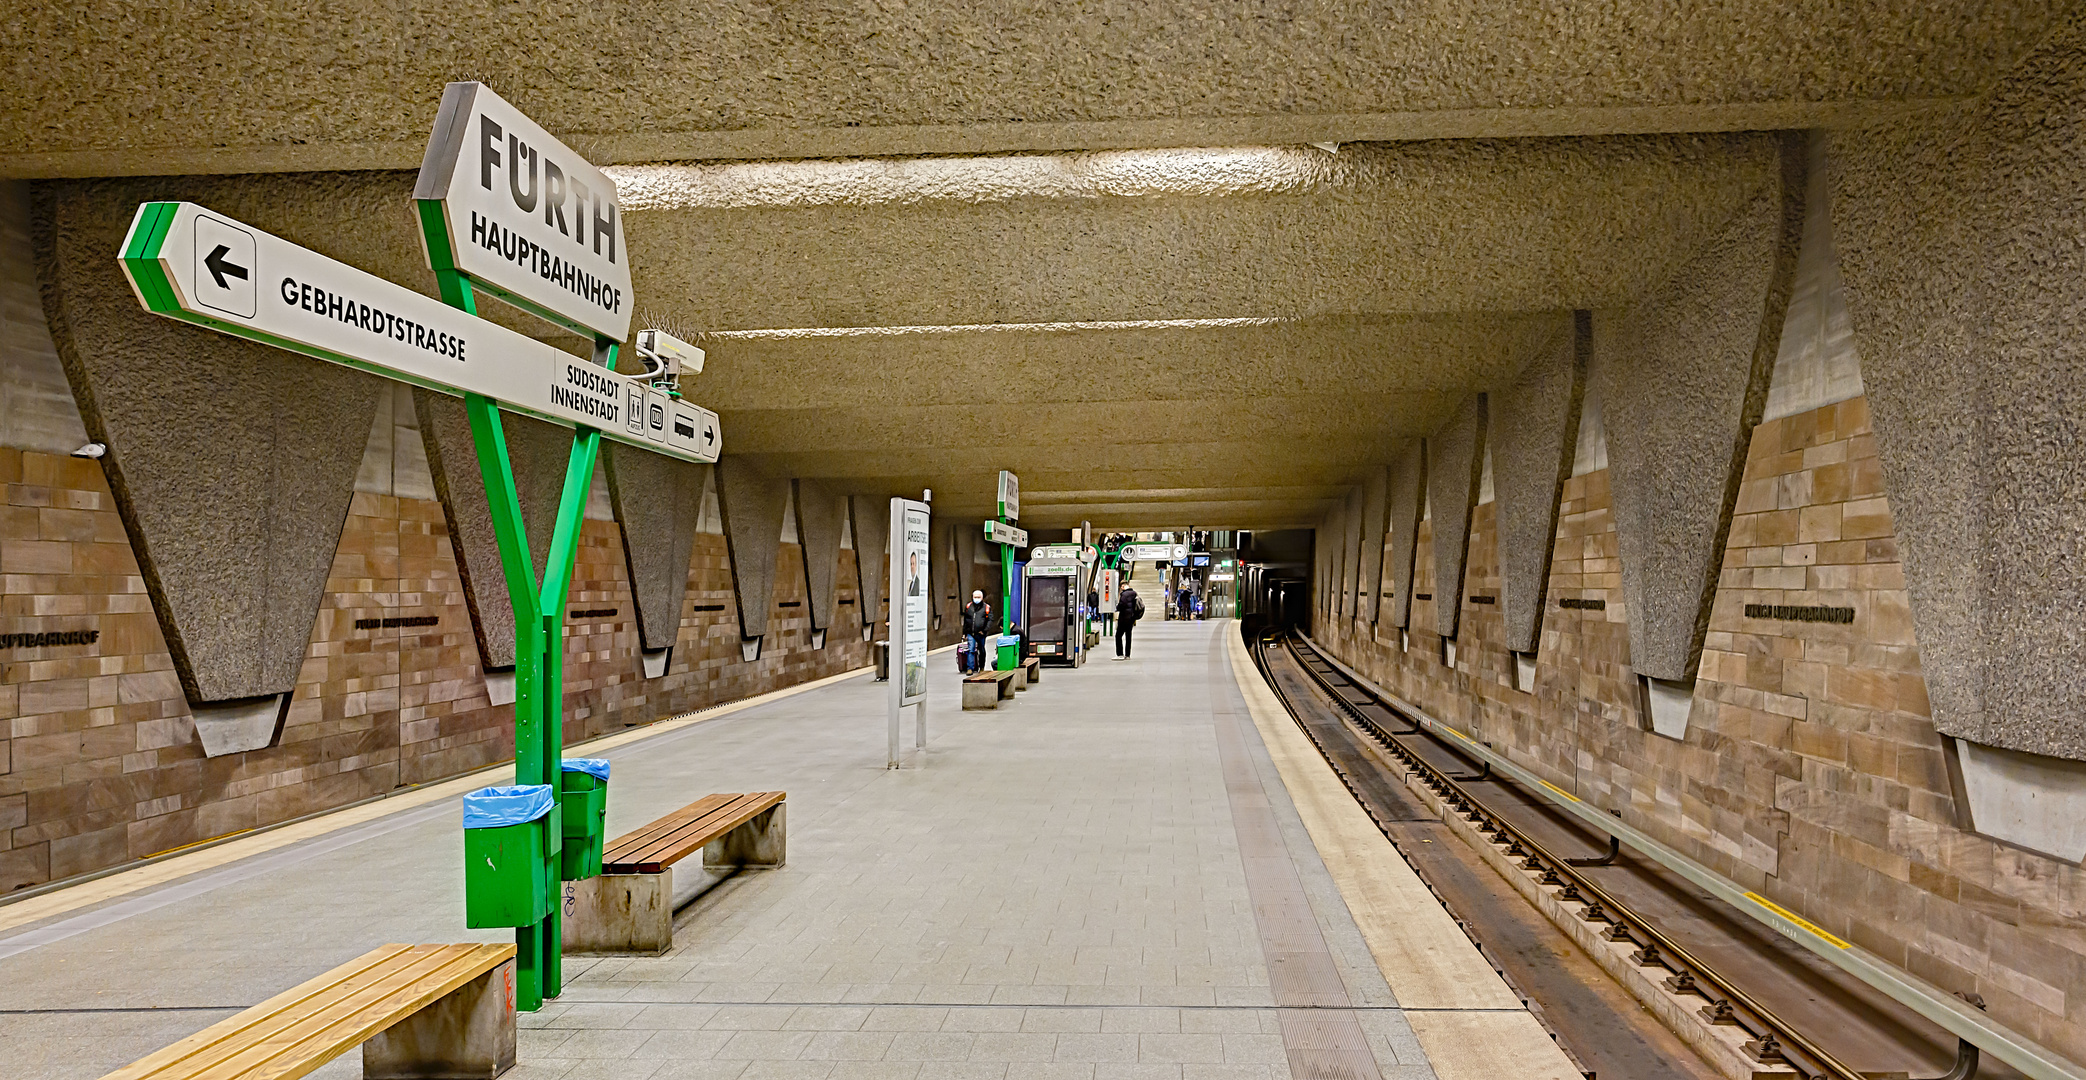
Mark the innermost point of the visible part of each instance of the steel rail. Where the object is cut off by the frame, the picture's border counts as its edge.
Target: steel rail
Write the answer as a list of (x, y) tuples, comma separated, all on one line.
[(1727, 1003), (1951, 1013)]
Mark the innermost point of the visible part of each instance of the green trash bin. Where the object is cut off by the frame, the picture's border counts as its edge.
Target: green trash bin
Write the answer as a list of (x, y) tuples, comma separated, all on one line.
[(507, 874), (583, 799), (1009, 652)]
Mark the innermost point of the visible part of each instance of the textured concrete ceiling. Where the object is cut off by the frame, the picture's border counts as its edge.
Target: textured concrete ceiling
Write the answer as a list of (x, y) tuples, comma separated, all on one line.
[(1086, 242), (100, 87)]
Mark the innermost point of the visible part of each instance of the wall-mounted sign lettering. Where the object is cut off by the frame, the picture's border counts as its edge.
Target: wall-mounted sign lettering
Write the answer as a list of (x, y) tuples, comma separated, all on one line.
[(181, 259), (1577, 604), (522, 215), (1423, 596), (1484, 599), (1790, 613), (49, 638), (791, 603), (397, 621), (592, 612), (709, 607)]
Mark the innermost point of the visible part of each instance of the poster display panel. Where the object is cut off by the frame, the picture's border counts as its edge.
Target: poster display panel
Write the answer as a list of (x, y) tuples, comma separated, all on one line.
[(909, 617)]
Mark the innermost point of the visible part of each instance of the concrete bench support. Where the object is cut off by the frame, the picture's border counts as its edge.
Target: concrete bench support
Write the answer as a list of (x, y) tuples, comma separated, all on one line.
[(1031, 673), (760, 844), (634, 913), (987, 689), (467, 1034)]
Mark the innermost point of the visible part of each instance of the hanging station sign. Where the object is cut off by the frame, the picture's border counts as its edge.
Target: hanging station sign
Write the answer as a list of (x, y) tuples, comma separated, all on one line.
[(1010, 495), (188, 263), (1154, 552), (999, 532), (522, 215)]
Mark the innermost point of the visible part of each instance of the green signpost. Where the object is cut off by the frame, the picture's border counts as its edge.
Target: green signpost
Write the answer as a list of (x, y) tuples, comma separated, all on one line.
[(549, 244)]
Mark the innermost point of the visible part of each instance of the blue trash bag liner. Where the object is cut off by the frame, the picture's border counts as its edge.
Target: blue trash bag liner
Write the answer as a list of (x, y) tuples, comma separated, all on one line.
[(595, 767), (497, 807), (1010, 639)]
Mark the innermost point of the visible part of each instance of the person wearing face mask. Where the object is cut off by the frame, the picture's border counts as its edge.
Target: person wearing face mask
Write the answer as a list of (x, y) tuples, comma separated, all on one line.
[(977, 622)]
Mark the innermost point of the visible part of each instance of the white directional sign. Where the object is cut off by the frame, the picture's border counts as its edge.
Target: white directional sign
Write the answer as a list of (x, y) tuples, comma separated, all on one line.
[(190, 264), (1055, 551), (521, 214), (999, 532), (1010, 495), (1154, 552)]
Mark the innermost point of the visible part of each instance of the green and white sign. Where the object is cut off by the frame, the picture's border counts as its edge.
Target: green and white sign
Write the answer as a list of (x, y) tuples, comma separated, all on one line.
[(522, 215), (187, 263), (999, 532), (1010, 495)]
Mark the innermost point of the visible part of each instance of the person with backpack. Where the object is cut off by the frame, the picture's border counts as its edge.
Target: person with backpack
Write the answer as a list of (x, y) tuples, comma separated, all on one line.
[(1128, 609), (977, 622)]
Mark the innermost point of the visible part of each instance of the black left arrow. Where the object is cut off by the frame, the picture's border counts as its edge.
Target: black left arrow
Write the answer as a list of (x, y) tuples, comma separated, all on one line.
[(219, 268)]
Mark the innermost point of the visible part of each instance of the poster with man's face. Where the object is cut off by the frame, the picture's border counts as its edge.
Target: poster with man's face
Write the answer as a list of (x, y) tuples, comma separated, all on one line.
[(916, 612)]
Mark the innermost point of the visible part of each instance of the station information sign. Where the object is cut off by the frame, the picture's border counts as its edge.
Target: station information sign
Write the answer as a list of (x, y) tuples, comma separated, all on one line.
[(188, 263), (1055, 551), (522, 215), (1010, 495), (1154, 552), (999, 532)]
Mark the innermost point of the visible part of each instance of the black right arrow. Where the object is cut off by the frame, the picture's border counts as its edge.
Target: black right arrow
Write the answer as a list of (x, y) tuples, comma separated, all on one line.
[(218, 267), (709, 435)]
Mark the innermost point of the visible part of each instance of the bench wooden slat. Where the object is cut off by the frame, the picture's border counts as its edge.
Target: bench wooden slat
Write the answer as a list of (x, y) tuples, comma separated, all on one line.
[(641, 838), (339, 1025), (710, 824), (696, 834), (676, 836), (300, 1029), (660, 834)]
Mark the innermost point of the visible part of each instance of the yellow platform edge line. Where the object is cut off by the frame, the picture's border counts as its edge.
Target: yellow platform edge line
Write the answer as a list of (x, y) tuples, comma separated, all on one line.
[(123, 883)]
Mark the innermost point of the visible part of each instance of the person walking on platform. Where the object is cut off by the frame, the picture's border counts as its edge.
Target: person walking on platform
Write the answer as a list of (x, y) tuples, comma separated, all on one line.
[(1128, 609), (977, 622)]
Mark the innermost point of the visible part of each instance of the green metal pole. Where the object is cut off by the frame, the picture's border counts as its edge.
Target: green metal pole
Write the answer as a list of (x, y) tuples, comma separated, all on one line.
[(1006, 591), (539, 645)]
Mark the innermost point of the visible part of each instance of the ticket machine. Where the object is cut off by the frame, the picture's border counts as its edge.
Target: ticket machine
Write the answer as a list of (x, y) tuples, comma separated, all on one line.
[(1050, 610)]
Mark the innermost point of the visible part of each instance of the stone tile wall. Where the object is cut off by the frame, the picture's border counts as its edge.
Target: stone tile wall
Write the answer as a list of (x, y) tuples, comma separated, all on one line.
[(99, 761), (1810, 771)]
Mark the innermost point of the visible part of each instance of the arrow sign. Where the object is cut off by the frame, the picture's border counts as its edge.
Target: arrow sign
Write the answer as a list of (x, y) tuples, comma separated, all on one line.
[(189, 264), (219, 268), (999, 532)]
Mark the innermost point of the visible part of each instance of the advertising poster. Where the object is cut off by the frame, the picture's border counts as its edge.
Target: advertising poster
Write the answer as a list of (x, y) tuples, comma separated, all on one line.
[(917, 603)]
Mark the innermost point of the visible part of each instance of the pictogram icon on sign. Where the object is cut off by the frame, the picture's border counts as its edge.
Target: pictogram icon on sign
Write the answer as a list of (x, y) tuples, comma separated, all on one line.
[(225, 268)]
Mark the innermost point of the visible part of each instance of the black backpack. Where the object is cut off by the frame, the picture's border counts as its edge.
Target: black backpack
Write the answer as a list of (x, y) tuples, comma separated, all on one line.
[(1136, 611)]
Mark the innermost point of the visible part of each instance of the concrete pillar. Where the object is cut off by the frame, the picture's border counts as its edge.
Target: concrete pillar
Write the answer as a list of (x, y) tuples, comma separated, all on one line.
[(466, 1035), (1535, 430)]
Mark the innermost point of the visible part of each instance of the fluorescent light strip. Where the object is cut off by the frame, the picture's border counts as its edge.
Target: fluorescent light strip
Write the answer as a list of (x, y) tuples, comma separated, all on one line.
[(985, 328)]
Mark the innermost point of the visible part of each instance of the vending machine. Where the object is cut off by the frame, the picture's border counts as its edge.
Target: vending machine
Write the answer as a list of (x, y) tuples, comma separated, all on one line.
[(1050, 611)]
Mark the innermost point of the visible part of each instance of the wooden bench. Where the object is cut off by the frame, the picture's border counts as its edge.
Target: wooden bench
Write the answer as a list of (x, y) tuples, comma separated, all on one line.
[(416, 1011), (1031, 672), (987, 689), (630, 907)]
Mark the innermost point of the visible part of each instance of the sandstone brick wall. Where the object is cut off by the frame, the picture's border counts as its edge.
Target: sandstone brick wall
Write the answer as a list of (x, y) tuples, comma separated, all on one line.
[(1811, 771), (99, 761)]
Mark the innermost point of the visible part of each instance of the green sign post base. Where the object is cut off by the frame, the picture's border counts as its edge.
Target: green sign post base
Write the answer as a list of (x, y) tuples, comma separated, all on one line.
[(539, 638)]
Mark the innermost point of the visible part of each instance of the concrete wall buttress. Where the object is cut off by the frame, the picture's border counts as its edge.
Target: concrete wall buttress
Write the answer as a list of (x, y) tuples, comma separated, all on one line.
[(232, 463), (1456, 459), (1375, 501), (1535, 430), (1407, 500), (871, 526), (1351, 555), (969, 575), (1683, 380), (657, 500), (1958, 242), (819, 516), (37, 410), (538, 452), (753, 505)]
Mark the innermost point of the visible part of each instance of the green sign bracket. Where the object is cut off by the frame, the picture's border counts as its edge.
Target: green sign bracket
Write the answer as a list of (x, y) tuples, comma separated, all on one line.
[(539, 637)]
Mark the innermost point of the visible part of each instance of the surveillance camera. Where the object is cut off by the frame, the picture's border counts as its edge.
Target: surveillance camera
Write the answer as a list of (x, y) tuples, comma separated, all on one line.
[(668, 357)]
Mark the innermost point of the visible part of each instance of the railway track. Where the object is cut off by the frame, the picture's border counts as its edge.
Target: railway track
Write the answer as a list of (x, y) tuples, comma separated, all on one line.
[(1744, 1002)]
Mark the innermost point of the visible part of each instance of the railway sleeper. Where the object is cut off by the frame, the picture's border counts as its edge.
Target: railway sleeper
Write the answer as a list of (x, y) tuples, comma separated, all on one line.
[(1675, 999)]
